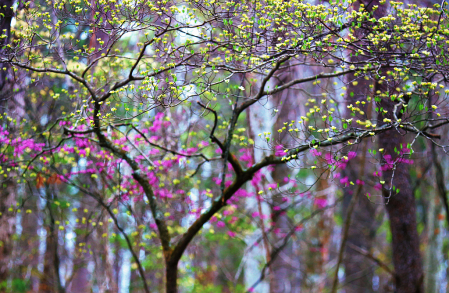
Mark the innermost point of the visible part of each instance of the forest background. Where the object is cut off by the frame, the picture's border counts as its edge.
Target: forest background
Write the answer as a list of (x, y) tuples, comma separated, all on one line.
[(224, 146)]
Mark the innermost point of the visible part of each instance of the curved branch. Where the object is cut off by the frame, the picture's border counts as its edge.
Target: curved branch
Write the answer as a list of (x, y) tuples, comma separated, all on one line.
[(231, 158)]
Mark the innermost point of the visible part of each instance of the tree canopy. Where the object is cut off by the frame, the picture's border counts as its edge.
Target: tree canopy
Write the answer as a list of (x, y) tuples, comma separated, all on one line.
[(165, 117)]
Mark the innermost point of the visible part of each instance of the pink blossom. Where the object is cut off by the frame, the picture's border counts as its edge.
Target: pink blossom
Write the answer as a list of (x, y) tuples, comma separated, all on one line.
[(320, 202), (342, 164), (246, 157), (231, 234), (351, 155), (405, 151), (153, 138), (203, 144), (257, 177), (167, 163), (242, 193), (315, 153), (228, 212), (329, 159), (152, 179), (189, 151), (272, 185), (157, 124), (378, 186), (389, 163), (405, 161), (344, 180), (359, 182), (279, 151)]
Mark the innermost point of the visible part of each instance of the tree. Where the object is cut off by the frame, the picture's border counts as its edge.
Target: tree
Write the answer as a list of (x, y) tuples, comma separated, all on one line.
[(150, 116)]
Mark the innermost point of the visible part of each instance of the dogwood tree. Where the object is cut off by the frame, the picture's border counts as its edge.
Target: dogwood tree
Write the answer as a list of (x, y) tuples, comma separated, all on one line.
[(150, 115)]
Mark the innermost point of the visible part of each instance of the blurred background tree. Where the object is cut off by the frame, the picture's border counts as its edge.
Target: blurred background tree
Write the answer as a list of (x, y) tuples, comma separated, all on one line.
[(221, 146)]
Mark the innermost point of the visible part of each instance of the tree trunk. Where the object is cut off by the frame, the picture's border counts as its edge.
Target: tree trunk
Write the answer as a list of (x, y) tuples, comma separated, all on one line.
[(81, 280), (171, 277), (7, 196), (325, 225), (7, 227), (401, 210), (105, 260), (29, 243), (433, 257), (284, 274), (5, 26), (437, 199), (400, 206), (50, 280)]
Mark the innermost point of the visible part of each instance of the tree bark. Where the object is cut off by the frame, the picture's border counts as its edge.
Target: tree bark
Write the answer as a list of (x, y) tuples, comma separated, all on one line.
[(104, 260), (50, 280), (401, 210), (5, 26), (81, 280), (437, 199), (401, 207), (29, 243), (433, 254), (7, 195), (171, 277), (7, 227)]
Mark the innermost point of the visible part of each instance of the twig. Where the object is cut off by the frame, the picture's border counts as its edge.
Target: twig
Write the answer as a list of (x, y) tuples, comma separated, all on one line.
[(275, 252), (372, 257), (122, 231), (235, 164)]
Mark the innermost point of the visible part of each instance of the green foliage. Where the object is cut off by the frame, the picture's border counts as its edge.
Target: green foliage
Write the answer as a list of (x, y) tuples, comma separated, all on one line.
[(16, 286), (122, 98)]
